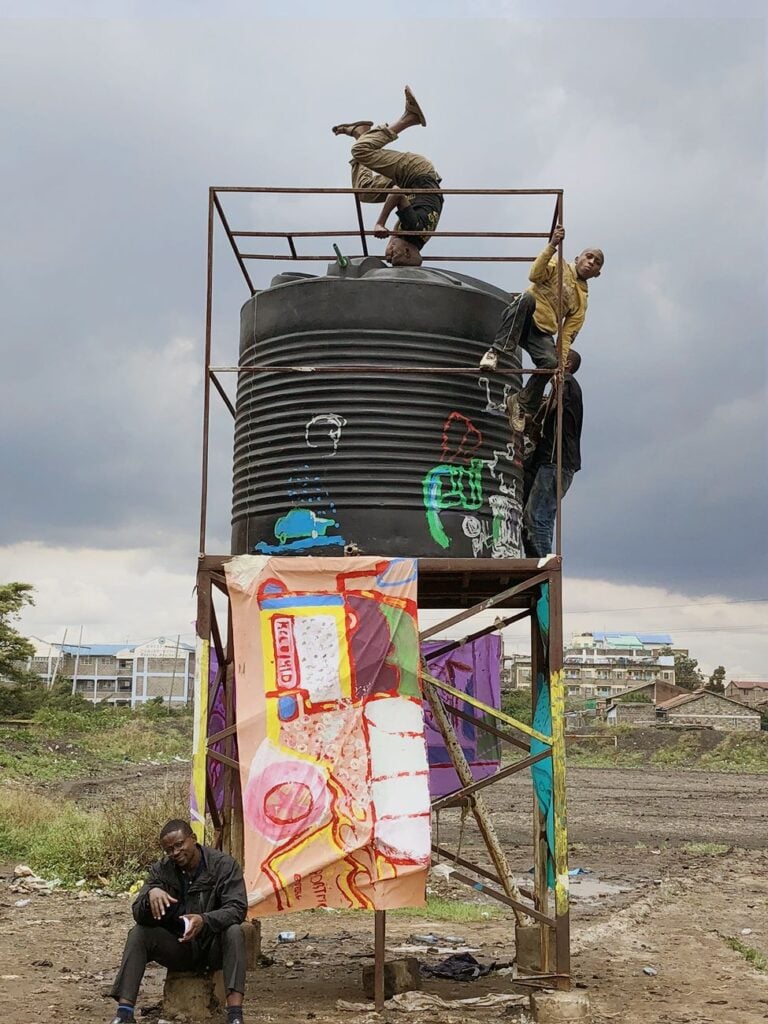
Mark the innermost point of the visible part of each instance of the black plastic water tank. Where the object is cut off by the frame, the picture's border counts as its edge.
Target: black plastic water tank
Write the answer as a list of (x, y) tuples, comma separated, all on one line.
[(374, 463)]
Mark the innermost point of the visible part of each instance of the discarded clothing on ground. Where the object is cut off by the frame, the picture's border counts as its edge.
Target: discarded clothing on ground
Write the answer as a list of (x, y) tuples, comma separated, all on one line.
[(458, 967)]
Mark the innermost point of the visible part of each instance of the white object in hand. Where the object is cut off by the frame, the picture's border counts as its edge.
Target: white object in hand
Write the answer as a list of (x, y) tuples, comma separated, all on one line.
[(187, 925)]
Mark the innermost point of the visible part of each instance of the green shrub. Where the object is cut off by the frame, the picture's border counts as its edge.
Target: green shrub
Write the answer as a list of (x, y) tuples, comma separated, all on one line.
[(20, 701), (59, 840), (517, 703)]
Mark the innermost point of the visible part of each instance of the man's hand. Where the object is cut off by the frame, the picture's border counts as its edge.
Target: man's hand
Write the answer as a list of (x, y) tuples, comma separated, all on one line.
[(380, 230), (194, 927), (557, 235), (159, 902)]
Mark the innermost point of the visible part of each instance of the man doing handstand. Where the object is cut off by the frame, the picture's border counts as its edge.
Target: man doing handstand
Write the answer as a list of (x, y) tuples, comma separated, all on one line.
[(376, 167)]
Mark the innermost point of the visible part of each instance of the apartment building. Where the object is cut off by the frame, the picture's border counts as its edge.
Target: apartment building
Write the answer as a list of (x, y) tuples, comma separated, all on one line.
[(603, 665), (120, 673)]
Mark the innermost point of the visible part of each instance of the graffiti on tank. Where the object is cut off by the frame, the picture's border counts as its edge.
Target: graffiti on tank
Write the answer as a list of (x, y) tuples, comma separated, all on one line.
[(497, 408), (449, 486), (502, 538), (461, 438), (457, 483), (505, 529), (302, 528), (500, 466), (323, 432)]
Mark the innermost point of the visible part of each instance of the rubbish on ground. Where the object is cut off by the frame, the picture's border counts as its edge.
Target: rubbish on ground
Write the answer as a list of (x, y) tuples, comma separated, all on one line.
[(424, 940), (746, 931), (411, 947), (291, 937), (414, 1002), (650, 971), (22, 903), (42, 963), (458, 967)]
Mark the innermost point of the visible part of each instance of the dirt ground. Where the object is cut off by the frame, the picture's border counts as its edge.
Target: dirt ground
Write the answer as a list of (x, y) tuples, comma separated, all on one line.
[(651, 900)]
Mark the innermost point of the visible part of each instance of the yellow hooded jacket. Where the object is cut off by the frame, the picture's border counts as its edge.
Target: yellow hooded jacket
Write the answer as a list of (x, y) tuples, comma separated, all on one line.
[(543, 278)]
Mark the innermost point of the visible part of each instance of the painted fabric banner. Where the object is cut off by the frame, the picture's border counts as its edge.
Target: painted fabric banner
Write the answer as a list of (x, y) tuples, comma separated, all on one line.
[(475, 669), (330, 731)]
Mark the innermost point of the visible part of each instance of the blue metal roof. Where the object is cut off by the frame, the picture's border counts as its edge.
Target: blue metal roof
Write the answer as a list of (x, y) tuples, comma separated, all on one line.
[(95, 650), (644, 638)]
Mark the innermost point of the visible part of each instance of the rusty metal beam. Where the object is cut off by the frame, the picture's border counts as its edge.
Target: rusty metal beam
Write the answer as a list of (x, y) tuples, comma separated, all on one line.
[(502, 773), (484, 605), (500, 624), (484, 726), (218, 385), (290, 190)]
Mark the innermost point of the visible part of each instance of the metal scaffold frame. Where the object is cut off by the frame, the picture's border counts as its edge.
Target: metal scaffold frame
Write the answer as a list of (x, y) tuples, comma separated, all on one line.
[(528, 587)]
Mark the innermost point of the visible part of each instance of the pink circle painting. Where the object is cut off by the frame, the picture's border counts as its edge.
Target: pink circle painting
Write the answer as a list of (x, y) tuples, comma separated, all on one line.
[(286, 798)]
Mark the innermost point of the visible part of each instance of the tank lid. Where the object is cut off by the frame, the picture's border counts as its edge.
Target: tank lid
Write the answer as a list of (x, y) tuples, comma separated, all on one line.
[(374, 268)]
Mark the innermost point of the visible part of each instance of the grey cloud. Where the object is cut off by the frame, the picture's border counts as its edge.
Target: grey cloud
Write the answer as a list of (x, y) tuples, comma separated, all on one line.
[(654, 127)]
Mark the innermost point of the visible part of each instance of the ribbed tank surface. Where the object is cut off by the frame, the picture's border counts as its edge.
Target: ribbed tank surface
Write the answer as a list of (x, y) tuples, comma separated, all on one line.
[(374, 462)]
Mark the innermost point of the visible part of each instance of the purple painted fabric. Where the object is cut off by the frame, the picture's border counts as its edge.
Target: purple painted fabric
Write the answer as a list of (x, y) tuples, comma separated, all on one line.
[(475, 669)]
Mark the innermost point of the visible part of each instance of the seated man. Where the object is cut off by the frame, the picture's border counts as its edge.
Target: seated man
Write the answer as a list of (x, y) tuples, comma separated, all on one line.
[(188, 915), (530, 321), (374, 168), (540, 482)]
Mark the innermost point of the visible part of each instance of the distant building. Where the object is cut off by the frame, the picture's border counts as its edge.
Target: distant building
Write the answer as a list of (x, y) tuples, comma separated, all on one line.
[(600, 666), (120, 673), (747, 691), (707, 709)]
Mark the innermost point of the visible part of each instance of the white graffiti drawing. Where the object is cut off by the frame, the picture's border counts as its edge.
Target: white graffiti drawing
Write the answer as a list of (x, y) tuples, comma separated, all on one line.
[(499, 408), (327, 427), (507, 485), (506, 526), (474, 529)]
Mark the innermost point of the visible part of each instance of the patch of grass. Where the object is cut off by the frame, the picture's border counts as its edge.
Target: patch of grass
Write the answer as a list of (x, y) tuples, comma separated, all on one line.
[(751, 955), (439, 909), (738, 753), (66, 744), (602, 758), (706, 849), (58, 840), (683, 753)]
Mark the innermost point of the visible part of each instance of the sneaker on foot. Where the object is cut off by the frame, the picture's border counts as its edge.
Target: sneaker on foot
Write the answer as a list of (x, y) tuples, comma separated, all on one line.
[(490, 360), (123, 1020), (515, 413)]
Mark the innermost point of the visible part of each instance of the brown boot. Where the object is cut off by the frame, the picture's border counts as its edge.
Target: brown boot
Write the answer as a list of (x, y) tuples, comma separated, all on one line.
[(354, 128), (412, 107)]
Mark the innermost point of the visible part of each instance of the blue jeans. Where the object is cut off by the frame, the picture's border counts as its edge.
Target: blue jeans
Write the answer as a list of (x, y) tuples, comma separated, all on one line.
[(517, 329), (540, 509)]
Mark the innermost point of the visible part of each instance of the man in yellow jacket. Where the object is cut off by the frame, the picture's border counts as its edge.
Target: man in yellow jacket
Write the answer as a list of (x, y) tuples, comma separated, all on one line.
[(530, 321)]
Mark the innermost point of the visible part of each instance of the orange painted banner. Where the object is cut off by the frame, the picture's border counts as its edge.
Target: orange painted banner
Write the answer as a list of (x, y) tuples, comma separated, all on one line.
[(330, 732)]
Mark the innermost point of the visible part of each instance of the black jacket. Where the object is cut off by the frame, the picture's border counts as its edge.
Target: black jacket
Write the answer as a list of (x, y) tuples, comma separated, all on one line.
[(217, 894)]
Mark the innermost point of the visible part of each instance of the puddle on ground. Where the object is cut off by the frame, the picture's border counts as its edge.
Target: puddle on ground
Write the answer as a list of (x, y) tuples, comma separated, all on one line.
[(587, 888)]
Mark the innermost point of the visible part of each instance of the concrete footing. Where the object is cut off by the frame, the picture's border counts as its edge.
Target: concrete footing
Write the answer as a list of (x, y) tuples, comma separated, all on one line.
[(561, 1008), (399, 976), (194, 996)]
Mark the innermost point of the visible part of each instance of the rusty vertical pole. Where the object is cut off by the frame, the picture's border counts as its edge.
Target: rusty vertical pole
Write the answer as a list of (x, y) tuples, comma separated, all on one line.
[(539, 821), (558, 384), (380, 938), (557, 702), (207, 376)]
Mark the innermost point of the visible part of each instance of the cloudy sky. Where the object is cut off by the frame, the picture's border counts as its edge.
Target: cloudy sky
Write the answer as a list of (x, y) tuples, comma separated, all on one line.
[(116, 125)]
